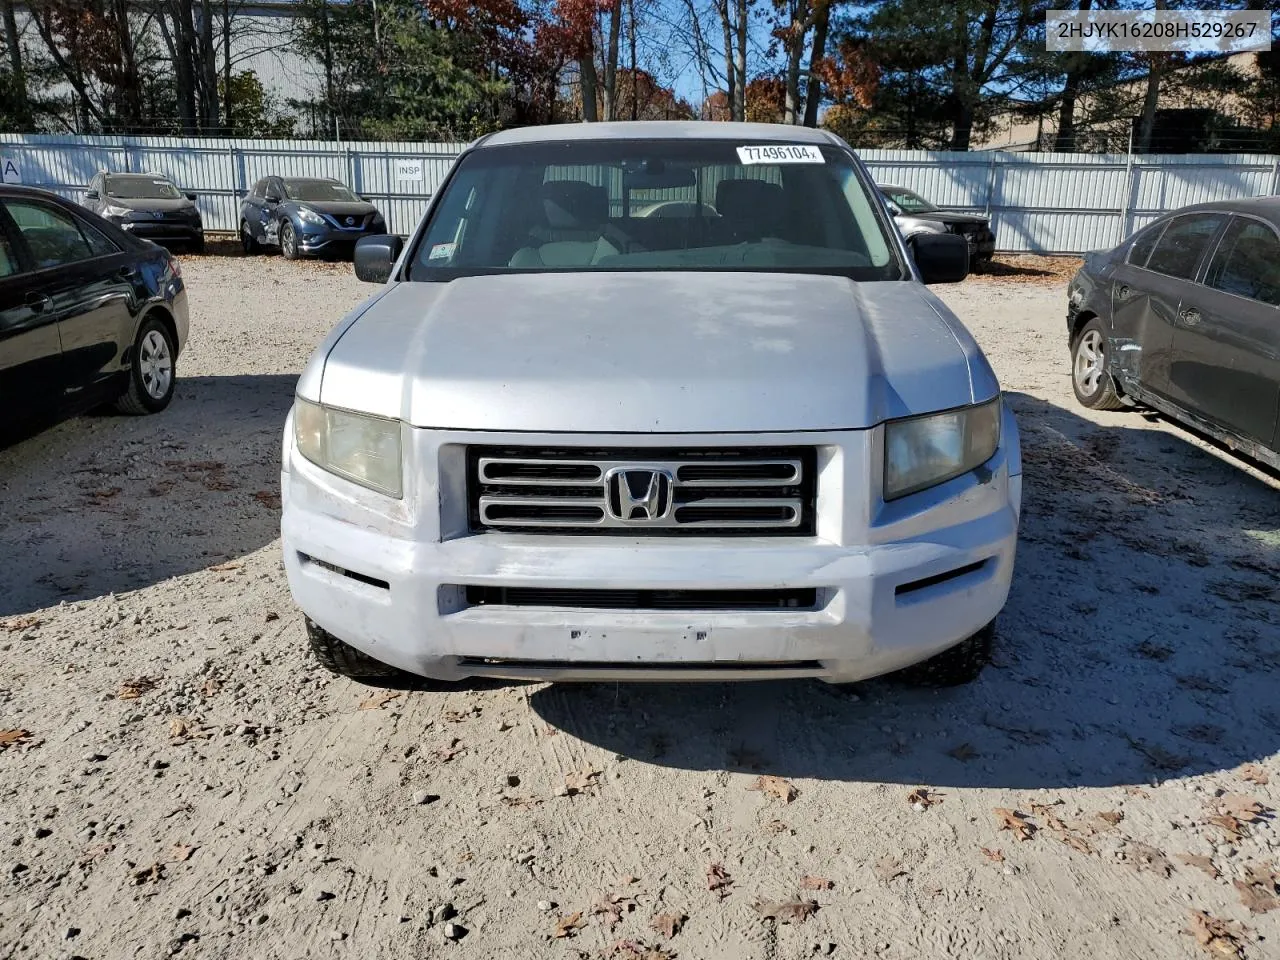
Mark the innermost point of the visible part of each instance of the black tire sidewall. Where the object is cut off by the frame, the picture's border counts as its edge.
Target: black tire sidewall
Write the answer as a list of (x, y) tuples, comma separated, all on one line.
[(247, 240), (135, 373)]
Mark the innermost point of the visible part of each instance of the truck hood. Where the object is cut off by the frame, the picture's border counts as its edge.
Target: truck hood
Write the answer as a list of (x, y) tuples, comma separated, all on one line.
[(652, 353)]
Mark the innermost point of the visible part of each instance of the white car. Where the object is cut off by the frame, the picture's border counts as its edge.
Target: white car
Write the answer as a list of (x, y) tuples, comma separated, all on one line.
[(568, 441)]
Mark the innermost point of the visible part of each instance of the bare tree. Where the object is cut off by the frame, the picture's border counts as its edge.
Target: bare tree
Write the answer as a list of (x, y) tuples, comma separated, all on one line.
[(16, 66)]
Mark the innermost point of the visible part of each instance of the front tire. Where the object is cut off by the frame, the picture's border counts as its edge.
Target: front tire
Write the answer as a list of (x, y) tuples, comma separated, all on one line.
[(288, 242), (152, 370), (346, 661), (955, 666), (1090, 379), (247, 241)]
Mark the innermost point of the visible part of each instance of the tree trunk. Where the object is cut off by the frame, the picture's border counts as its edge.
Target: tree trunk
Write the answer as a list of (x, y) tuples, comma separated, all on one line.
[(587, 71), (328, 64), (813, 94), (791, 104), (730, 68), (207, 69), (740, 85), (227, 109), (1151, 99), (631, 37), (1065, 141), (19, 75), (130, 78), (611, 62)]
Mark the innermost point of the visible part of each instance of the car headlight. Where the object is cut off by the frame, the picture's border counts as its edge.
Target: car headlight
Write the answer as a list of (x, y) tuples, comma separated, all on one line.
[(362, 448), (310, 216), (922, 452), (927, 226), (111, 210)]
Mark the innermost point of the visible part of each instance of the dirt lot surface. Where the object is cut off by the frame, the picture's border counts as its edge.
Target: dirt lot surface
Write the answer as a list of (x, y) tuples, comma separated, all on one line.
[(178, 778)]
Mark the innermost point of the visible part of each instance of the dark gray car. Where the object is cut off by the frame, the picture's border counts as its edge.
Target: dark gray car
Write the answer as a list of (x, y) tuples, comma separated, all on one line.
[(915, 216), (1184, 316), (148, 205), (306, 215)]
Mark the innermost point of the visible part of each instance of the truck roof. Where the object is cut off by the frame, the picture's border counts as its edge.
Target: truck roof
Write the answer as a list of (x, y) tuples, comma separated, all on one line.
[(661, 130)]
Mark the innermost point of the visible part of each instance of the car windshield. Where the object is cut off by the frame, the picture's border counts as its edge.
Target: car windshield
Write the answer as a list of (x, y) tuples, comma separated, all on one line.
[(624, 205), (317, 190), (908, 200), (142, 188)]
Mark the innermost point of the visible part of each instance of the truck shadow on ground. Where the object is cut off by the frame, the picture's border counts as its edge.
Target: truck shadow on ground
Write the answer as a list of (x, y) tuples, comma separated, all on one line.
[(104, 503), (1140, 642)]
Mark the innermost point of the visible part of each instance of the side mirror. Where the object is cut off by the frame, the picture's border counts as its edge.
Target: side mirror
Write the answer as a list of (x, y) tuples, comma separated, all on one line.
[(893, 207), (91, 194), (190, 196), (940, 257), (376, 255)]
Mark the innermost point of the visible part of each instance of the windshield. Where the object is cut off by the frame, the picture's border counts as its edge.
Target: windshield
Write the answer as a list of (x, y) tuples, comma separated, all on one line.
[(317, 190), (909, 201), (622, 205), (142, 188)]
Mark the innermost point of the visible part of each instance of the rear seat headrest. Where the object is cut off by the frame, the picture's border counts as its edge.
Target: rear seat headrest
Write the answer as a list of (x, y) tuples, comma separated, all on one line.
[(574, 204)]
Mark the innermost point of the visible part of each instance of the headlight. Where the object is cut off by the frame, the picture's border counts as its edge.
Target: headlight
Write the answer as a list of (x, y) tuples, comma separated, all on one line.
[(925, 451), (309, 216), (362, 448), (927, 226), (111, 210)]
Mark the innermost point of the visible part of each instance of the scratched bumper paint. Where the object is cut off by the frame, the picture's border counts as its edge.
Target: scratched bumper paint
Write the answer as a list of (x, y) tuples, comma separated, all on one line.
[(412, 555)]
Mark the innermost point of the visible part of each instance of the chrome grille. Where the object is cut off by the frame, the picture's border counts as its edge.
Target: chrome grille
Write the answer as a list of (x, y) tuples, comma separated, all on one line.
[(643, 491)]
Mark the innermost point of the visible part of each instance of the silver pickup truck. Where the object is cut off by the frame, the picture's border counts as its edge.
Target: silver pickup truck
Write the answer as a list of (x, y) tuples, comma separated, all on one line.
[(652, 401)]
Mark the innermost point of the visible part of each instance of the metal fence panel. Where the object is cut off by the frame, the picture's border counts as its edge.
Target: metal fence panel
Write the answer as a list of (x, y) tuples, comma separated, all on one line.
[(1038, 202)]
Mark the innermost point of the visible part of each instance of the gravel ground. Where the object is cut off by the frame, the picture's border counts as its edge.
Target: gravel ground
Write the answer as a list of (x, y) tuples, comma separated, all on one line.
[(178, 778)]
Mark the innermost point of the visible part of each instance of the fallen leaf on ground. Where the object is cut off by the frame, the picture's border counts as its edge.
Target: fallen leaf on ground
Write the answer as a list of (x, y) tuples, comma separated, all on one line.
[(378, 699), (886, 868), (922, 796), (1111, 817), (95, 853), (178, 853), (580, 780), (445, 754), (460, 716), (1254, 773), (636, 950), (22, 623), (1244, 808), (133, 689), (1228, 823), (776, 826), (151, 874), (1259, 887), (995, 856), (1137, 792), (268, 498), (775, 787), (1204, 864), (1143, 856), (522, 803), (964, 753), (786, 911), (223, 567), (568, 926), (1077, 843), (815, 883), (1216, 936), (1015, 822), (612, 906), (668, 924), (718, 881), (9, 738), (210, 687)]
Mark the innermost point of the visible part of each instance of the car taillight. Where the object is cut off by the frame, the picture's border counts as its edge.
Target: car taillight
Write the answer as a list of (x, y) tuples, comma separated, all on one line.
[(175, 267)]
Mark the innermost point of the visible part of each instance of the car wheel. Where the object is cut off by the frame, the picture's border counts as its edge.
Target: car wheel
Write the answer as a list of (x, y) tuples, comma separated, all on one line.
[(955, 666), (1089, 377), (346, 661), (250, 245), (152, 367), (288, 242), (197, 245)]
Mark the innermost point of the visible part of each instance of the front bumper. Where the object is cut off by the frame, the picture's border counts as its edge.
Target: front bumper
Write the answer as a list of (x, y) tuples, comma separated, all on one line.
[(175, 230), (323, 239), (896, 583)]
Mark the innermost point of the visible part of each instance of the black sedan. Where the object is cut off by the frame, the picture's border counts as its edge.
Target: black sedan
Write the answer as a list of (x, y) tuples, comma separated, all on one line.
[(915, 215), (306, 216), (147, 205), (88, 313), (1184, 317)]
